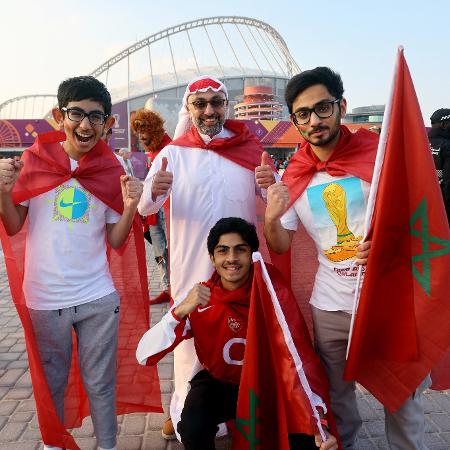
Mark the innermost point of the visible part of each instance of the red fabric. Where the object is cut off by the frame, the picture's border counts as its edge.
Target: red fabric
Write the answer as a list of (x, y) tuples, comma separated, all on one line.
[(46, 166), (402, 324), (225, 318), (271, 400), (204, 83), (243, 148), (354, 154)]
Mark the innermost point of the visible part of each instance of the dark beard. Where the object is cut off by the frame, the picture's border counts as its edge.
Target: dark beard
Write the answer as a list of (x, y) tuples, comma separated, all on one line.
[(324, 142), (211, 130)]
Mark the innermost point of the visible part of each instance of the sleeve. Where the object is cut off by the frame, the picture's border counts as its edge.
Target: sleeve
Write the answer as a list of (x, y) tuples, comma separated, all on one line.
[(162, 338), (290, 219), (111, 216), (146, 205)]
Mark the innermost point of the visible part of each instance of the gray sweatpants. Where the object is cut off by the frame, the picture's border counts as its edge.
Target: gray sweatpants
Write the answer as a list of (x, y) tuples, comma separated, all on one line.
[(96, 326), (404, 429)]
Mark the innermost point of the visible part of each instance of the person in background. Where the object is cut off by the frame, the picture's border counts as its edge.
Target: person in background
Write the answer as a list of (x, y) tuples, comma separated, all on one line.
[(439, 137), (149, 128)]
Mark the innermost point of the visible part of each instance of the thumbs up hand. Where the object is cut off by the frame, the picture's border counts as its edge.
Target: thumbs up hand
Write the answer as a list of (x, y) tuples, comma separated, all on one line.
[(162, 181), (264, 174)]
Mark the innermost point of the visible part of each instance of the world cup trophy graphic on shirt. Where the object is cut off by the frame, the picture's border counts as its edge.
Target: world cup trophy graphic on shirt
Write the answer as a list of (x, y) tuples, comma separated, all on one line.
[(335, 201)]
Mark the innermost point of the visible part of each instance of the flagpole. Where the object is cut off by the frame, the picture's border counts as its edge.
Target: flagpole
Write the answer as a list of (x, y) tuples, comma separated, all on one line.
[(374, 189)]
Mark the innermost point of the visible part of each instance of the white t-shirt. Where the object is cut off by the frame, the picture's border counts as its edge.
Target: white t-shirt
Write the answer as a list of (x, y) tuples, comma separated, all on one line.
[(332, 209), (65, 261)]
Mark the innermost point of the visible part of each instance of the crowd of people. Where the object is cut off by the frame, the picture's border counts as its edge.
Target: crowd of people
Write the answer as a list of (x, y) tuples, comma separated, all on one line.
[(71, 195)]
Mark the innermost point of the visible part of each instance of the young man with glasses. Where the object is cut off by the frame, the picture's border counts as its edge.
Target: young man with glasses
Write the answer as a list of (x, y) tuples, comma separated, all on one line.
[(209, 173), (326, 187), (73, 193)]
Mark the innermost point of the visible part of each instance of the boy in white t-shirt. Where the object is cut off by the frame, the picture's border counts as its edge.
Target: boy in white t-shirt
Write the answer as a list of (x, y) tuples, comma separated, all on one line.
[(67, 283)]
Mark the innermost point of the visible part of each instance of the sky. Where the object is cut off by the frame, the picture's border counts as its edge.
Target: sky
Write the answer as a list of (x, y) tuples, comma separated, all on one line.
[(44, 42)]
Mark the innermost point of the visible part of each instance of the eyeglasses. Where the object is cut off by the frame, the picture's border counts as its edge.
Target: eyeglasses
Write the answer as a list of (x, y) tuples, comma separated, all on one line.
[(323, 110), (215, 103), (77, 115)]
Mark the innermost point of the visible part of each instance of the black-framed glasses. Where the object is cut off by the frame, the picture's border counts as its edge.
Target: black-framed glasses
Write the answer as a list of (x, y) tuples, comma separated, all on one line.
[(77, 115), (323, 110), (215, 103)]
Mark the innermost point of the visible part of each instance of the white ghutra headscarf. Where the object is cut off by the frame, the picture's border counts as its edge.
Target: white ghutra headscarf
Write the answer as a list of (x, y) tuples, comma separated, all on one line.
[(200, 84)]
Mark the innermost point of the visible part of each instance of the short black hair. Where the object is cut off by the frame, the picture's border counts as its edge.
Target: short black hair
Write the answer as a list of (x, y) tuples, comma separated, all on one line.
[(320, 75), (84, 88), (245, 229)]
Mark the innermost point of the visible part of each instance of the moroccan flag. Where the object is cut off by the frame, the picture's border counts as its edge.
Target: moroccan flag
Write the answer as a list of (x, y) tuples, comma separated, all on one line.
[(401, 328), (274, 393)]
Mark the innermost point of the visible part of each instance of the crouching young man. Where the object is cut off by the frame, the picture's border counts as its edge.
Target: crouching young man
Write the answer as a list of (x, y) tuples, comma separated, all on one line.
[(214, 314)]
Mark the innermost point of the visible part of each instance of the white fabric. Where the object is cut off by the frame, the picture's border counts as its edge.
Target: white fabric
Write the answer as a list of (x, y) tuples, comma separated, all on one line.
[(159, 337), (206, 187), (335, 281), (65, 261), (184, 118)]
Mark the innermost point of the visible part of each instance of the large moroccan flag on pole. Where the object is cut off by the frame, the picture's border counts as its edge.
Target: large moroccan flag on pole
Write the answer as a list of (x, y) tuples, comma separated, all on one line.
[(282, 380), (402, 324)]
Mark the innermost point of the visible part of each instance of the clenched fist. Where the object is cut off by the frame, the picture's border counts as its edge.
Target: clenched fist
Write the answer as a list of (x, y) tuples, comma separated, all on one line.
[(198, 295), (9, 172), (278, 200), (131, 191)]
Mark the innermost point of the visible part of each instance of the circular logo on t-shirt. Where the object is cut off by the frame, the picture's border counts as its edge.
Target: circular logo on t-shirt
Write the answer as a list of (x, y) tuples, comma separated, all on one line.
[(72, 203)]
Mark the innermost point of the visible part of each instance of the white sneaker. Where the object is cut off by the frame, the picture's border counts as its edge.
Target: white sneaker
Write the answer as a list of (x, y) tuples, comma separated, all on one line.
[(49, 447)]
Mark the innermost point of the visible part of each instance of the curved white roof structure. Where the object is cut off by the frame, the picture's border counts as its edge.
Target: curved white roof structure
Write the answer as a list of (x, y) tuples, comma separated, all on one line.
[(229, 47), (27, 106)]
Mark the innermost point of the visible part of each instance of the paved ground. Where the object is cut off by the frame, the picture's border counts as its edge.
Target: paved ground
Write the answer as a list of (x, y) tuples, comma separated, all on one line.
[(18, 425)]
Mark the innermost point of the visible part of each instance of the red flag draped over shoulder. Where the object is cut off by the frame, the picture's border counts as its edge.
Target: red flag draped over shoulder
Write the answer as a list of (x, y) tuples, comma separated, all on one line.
[(282, 380), (401, 327), (243, 148), (46, 166)]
